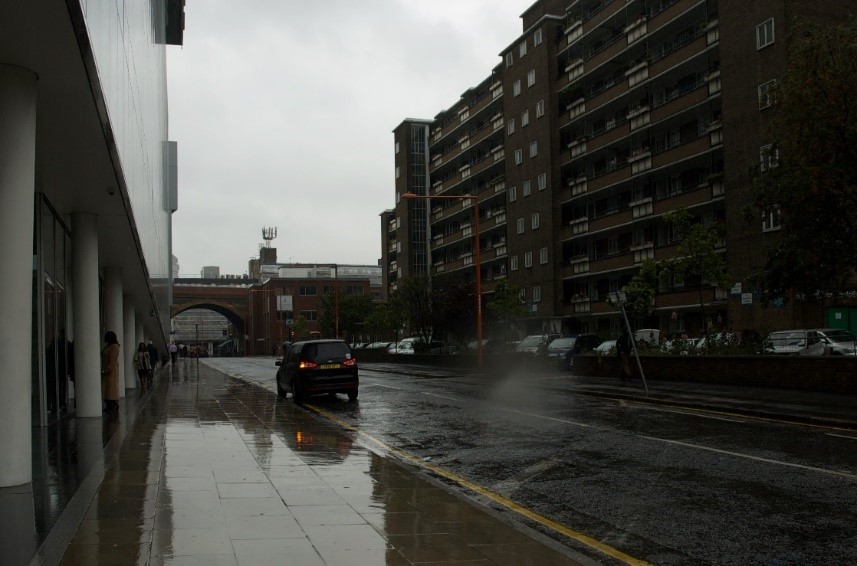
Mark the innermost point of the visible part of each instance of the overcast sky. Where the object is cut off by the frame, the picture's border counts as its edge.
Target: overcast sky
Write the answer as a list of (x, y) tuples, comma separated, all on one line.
[(283, 111)]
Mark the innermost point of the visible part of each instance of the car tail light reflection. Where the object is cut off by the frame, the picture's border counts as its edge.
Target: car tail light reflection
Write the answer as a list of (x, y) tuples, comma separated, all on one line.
[(306, 364), (349, 362)]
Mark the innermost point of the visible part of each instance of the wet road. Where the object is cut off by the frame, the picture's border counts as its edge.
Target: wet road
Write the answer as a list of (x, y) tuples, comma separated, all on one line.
[(665, 485)]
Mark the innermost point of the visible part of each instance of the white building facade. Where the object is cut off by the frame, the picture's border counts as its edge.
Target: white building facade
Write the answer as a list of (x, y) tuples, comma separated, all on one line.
[(87, 189)]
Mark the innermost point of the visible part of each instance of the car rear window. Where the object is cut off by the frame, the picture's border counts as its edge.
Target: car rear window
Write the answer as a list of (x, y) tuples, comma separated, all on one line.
[(328, 351), (562, 343)]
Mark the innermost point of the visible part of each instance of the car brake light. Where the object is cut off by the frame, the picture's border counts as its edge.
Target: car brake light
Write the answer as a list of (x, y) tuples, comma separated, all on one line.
[(350, 362), (306, 364)]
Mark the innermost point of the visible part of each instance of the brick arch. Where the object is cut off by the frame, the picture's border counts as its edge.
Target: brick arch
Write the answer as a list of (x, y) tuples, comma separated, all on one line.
[(226, 309)]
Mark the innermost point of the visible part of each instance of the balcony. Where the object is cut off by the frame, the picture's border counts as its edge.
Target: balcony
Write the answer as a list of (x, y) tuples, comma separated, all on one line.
[(682, 199), (636, 30), (643, 251), (610, 263), (578, 186), (639, 117), (641, 208), (675, 153)]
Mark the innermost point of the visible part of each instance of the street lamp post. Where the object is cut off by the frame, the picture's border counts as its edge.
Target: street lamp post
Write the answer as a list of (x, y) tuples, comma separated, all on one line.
[(479, 349)]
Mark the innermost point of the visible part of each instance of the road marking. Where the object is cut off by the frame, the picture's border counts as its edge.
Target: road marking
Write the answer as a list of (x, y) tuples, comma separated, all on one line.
[(695, 414), (379, 385), (841, 436), (442, 396), (495, 497), (749, 457), (564, 421)]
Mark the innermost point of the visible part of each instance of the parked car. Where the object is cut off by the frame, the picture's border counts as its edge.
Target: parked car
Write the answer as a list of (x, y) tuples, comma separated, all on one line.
[(561, 349), (437, 347), (493, 345), (535, 343), (651, 336), (313, 367), (794, 343), (378, 345), (606, 348), (838, 341), (405, 346)]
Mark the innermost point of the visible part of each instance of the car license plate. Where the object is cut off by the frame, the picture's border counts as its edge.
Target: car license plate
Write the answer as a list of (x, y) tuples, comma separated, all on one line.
[(329, 366)]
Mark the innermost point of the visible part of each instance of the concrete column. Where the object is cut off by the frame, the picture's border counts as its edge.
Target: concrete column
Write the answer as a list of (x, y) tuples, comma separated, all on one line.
[(131, 341), (87, 326), (17, 185), (115, 315)]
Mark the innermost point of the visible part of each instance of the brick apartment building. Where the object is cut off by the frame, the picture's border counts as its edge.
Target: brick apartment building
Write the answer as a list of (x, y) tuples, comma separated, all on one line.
[(602, 116)]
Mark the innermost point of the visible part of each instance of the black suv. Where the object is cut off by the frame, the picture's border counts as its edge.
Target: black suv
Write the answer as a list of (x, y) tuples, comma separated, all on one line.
[(313, 367)]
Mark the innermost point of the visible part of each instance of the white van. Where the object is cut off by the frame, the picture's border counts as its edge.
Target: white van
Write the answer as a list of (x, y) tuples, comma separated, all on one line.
[(651, 336)]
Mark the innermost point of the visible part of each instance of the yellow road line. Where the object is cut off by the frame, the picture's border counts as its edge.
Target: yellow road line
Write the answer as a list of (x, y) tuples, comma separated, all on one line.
[(505, 502)]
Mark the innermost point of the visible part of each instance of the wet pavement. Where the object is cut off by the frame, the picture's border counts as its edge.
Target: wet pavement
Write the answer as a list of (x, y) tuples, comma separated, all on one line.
[(211, 470)]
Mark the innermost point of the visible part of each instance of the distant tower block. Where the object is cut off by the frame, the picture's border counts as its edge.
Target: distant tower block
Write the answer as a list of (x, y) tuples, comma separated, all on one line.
[(269, 234)]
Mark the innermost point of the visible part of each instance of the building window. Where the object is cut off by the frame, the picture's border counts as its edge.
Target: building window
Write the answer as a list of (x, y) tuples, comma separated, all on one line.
[(531, 77), (525, 118), (308, 290), (520, 226), (310, 315), (525, 188), (523, 295), (510, 126), (397, 147), (535, 220), (765, 34), (766, 97), (516, 88), (397, 171), (513, 263), (513, 194), (769, 157), (522, 48), (534, 148), (509, 59), (543, 181), (537, 293), (771, 220), (519, 156), (540, 108), (537, 37), (528, 259), (543, 256)]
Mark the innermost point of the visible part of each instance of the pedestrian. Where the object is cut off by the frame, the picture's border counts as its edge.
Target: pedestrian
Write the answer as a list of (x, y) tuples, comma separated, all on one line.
[(153, 355), (174, 352), (110, 372), (623, 352), (144, 367)]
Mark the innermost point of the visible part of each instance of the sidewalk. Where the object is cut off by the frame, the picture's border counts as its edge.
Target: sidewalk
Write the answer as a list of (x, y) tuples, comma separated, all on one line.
[(214, 472)]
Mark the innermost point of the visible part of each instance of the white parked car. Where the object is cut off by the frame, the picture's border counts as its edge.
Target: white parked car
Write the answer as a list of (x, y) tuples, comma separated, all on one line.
[(838, 341), (794, 343)]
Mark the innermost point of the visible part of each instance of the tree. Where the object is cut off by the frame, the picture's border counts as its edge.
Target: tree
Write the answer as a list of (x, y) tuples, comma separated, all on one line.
[(809, 176), (698, 261), (300, 328), (505, 306), (353, 310), (412, 303), (383, 322), (640, 290), (453, 305)]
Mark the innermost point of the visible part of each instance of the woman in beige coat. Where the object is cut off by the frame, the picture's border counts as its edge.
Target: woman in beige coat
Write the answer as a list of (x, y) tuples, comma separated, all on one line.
[(110, 372)]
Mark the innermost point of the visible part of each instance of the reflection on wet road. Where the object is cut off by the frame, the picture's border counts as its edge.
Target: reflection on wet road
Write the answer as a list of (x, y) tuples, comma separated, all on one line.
[(219, 472)]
